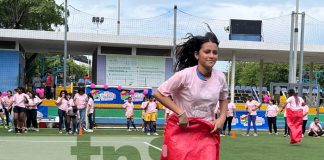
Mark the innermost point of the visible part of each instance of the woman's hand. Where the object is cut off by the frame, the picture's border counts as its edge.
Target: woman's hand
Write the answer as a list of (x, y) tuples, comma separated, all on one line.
[(218, 124), (183, 121)]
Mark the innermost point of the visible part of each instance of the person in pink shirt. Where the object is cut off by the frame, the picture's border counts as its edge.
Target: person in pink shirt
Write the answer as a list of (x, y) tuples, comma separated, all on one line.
[(33, 102), (315, 129), (20, 100), (266, 98), (90, 110), (151, 116), (195, 88), (81, 101), (271, 113), (294, 116), (143, 105), (231, 113), (72, 113), (62, 105), (129, 113), (251, 107), (6, 101), (305, 116), (1, 113)]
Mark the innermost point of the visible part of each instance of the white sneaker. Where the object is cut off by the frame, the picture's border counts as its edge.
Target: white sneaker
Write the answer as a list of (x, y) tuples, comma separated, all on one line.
[(222, 135), (148, 133), (155, 134), (10, 130), (247, 135), (90, 130), (60, 132), (277, 134), (129, 130), (36, 129), (270, 133), (143, 129), (255, 134)]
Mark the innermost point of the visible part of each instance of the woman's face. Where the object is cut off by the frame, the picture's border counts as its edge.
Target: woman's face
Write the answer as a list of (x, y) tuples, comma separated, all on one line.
[(68, 96), (207, 55), (29, 94), (8, 94)]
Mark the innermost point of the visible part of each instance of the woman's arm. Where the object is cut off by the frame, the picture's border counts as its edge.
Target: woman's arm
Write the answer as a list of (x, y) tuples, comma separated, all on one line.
[(168, 103), (218, 123)]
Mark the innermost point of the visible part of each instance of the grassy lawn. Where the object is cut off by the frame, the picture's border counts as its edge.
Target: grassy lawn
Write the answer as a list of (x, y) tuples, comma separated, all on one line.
[(114, 143)]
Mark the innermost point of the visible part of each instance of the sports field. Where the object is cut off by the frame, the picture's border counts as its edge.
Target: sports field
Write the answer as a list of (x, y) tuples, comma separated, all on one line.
[(118, 144)]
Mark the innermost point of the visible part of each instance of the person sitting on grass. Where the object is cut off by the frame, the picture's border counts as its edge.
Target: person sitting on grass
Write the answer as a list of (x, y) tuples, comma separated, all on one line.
[(315, 129)]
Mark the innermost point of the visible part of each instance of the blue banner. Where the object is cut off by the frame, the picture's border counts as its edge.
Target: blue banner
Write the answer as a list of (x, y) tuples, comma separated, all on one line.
[(115, 96), (241, 120)]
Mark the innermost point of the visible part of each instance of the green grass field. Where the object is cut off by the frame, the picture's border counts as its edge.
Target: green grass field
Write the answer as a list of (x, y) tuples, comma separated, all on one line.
[(135, 145)]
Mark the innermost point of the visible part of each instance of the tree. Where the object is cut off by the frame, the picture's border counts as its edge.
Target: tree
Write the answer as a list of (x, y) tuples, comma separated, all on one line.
[(30, 14), (247, 73)]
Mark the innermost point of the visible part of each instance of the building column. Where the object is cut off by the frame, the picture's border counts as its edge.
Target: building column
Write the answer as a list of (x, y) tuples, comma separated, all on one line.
[(233, 77)]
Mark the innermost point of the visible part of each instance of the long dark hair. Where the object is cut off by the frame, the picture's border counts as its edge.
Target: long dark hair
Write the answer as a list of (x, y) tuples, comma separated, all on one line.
[(90, 95), (291, 92), (185, 53)]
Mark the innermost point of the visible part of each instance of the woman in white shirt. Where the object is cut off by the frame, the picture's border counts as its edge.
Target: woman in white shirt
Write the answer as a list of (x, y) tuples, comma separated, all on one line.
[(271, 112), (315, 128)]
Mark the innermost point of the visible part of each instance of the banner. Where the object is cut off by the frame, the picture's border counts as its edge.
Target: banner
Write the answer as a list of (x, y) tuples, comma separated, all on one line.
[(112, 95), (241, 120)]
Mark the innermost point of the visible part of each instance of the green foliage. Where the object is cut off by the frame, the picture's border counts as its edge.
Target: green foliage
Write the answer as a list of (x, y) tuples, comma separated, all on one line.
[(30, 14), (247, 73)]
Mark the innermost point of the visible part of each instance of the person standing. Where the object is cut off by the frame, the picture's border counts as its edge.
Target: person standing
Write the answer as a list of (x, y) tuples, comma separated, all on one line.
[(271, 113), (305, 116), (151, 116), (251, 107), (33, 102), (277, 90), (129, 113), (62, 105), (231, 113), (90, 110), (81, 101), (49, 85)]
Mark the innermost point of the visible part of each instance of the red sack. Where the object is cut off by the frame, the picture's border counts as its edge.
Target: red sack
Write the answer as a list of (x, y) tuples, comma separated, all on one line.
[(192, 143), (295, 123)]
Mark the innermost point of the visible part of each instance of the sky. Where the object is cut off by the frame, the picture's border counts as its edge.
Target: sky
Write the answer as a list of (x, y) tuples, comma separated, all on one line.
[(213, 9), (216, 9)]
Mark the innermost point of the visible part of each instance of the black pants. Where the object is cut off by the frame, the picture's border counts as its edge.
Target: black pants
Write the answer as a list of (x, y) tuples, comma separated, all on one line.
[(48, 92), (31, 118), (287, 130), (74, 123), (304, 126), (272, 122), (7, 116), (320, 133), (90, 119), (229, 122)]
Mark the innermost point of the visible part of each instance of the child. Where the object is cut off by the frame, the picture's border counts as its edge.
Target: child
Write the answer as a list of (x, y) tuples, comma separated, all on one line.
[(305, 116), (72, 113), (62, 105), (90, 110), (144, 103), (129, 113), (31, 111), (151, 116)]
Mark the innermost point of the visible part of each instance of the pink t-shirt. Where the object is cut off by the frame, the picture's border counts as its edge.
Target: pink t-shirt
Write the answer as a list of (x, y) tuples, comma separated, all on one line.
[(81, 100), (64, 104), (19, 100), (291, 103), (251, 105), (33, 102), (230, 109), (272, 110), (6, 101), (129, 109), (197, 97), (69, 110), (314, 127), (305, 110), (266, 98), (151, 108), (91, 105)]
